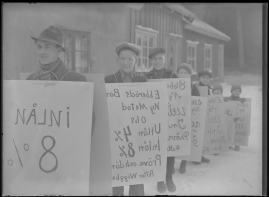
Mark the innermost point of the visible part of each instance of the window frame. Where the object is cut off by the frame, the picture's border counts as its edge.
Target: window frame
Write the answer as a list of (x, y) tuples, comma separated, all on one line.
[(208, 59), (73, 50), (192, 44), (141, 32)]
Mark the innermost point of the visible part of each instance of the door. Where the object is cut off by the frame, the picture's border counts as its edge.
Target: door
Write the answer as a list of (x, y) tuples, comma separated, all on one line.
[(172, 52)]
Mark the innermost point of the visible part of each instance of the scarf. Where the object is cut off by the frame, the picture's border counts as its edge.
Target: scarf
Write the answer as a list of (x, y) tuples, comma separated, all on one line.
[(44, 71)]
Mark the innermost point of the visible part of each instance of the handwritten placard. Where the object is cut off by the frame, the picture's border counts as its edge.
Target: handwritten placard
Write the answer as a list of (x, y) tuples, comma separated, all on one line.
[(230, 114), (203, 90), (47, 137), (242, 125), (198, 117), (179, 115), (138, 132), (215, 139)]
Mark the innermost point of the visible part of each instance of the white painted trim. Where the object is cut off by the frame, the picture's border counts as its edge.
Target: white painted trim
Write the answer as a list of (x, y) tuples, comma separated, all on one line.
[(174, 35), (146, 29), (192, 42), (209, 45)]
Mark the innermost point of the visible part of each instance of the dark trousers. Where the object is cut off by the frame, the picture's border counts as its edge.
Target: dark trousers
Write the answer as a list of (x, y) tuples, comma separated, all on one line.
[(134, 190), (170, 167)]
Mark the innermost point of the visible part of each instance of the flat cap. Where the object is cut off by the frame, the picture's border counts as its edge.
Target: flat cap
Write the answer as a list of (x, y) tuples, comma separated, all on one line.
[(234, 87), (185, 66), (217, 87), (130, 46), (155, 51), (204, 72)]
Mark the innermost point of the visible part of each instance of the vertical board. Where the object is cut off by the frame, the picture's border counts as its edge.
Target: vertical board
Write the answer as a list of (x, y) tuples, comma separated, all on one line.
[(198, 117), (47, 137), (138, 132), (215, 139), (179, 115)]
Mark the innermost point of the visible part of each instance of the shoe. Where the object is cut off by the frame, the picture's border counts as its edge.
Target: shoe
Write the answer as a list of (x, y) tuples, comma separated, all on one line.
[(196, 163), (171, 187), (205, 160), (161, 187), (182, 168), (237, 148)]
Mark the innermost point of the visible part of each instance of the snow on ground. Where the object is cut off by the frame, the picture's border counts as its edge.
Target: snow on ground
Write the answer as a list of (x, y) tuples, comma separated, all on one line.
[(230, 173)]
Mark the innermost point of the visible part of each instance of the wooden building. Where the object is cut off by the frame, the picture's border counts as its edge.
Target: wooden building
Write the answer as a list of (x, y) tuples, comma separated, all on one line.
[(92, 30)]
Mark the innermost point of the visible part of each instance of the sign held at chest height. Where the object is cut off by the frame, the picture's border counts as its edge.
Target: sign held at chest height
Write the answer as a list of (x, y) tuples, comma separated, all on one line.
[(138, 132), (179, 115), (47, 137)]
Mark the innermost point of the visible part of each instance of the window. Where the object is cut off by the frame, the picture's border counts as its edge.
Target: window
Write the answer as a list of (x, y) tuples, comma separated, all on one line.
[(192, 54), (208, 57), (146, 38), (77, 55)]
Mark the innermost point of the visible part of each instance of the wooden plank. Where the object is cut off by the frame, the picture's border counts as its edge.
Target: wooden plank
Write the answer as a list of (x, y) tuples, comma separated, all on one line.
[(142, 16), (132, 25)]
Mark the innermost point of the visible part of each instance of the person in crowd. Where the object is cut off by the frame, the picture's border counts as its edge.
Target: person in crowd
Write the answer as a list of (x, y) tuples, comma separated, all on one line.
[(185, 69), (236, 91), (49, 46), (157, 59), (204, 79), (127, 59), (217, 89)]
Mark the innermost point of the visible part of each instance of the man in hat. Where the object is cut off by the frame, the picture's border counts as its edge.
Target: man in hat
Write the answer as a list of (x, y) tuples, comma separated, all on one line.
[(127, 59), (49, 46), (157, 59)]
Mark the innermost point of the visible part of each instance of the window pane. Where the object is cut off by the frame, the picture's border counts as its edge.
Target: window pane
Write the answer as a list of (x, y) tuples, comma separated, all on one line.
[(84, 43), (145, 52), (67, 42), (68, 59), (138, 42), (78, 61), (84, 62), (78, 43), (150, 41), (145, 41)]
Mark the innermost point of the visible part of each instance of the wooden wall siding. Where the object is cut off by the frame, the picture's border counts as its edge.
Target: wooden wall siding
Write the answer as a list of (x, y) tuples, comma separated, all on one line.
[(158, 18)]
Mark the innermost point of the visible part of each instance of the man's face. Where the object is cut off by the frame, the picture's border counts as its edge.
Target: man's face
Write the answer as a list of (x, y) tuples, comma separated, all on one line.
[(204, 79), (47, 52), (158, 61), (217, 92), (182, 72), (127, 60), (236, 92)]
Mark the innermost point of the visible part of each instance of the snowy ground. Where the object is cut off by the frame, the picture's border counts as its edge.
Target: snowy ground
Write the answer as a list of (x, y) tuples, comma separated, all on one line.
[(230, 173)]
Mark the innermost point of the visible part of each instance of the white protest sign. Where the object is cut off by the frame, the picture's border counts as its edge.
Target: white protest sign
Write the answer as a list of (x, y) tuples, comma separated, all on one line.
[(215, 139), (47, 137), (138, 132), (179, 115), (198, 117), (230, 114), (242, 125)]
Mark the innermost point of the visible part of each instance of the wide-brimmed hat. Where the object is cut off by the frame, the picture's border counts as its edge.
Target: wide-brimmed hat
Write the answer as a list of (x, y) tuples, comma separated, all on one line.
[(53, 35), (154, 51), (185, 66), (130, 46), (204, 72)]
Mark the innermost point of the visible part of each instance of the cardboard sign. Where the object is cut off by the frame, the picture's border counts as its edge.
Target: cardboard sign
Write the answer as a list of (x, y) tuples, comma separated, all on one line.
[(230, 114), (47, 137), (100, 167), (203, 90), (138, 132), (179, 115), (215, 139), (242, 126), (198, 117)]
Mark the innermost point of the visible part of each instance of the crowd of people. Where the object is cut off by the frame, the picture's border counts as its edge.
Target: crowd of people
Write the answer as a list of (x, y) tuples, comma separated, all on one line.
[(50, 45)]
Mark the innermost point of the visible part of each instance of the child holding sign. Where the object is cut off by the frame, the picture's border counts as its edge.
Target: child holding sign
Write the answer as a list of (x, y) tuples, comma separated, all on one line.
[(127, 58), (236, 91), (185, 69), (157, 59)]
